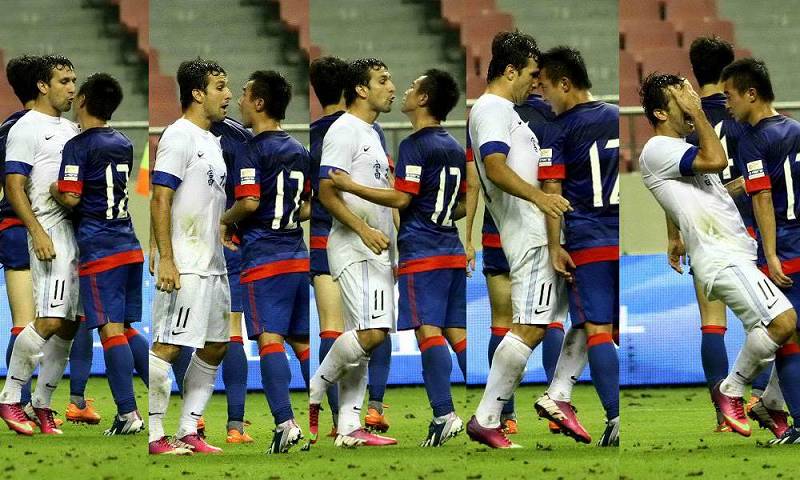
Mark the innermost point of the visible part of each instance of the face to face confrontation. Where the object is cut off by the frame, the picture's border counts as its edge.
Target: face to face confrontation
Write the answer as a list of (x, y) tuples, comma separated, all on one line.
[(216, 97)]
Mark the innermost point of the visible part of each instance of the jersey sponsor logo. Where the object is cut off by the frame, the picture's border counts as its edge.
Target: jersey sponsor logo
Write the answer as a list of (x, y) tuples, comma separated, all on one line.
[(413, 173), (210, 174), (49, 137), (755, 169), (377, 168), (248, 176), (71, 172), (546, 157)]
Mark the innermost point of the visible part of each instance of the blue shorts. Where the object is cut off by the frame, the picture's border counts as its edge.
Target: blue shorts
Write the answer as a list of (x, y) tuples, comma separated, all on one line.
[(793, 294), (113, 296), (594, 295), (435, 297), (277, 304), (494, 261), (14, 248), (319, 262), (233, 263)]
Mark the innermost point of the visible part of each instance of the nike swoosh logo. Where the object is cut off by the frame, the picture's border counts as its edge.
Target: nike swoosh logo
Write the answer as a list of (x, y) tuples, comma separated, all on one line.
[(366, 149), (378, 316), (744, 426), (198, 415), (325, 379), (48, 138), (50, 386), (501, 399), (56, 305), (178, 333), (537, 311), (200, 154), (773, 304), (742, 376), (357, 409), (17, 379)]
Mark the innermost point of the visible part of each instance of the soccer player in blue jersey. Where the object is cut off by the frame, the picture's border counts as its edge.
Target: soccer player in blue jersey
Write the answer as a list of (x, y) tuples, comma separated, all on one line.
[(429, 191), (327, 77), (584, 168), (272, 185), (770, 153), (93, 182)]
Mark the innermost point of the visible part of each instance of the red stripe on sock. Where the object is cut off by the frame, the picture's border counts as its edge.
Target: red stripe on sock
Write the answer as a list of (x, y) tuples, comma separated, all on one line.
[(557, 325), (329, 334), (271, 348), (303, 356), (788, 350), (599, 338), (237, 339), (431, 342), (717, 329), (500, 331), (16, 330), (460, 346), (114, 341), (131, 332)]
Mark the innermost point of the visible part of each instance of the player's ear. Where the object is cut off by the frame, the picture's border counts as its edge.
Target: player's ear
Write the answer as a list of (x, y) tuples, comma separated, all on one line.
[(198, 95), (361, 91), (510, 72), (422, 99), (42, 86), (752, 95), (661, 114)]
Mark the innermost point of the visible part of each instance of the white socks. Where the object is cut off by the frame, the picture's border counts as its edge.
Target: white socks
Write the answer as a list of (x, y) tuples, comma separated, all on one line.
[(198, 385), (352, 387), (158, 395), (773, 396), (758, 349), (24, 358), (508, 365), (571, 363), (345, 353), (54, 359)]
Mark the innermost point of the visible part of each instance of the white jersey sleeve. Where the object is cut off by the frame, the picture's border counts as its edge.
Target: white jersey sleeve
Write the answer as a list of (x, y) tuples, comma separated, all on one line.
[(665, 158), (175, 150), (492, 132), (338, 151), (20, 148)]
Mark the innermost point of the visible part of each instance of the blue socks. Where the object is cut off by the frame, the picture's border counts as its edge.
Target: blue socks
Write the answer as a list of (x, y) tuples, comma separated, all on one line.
[(26, 389), (604, 367), (180, 365), (275, 378), (234, 376), (460, 349), (326, 339), (787, 361), (80, 360), (762, 380), (379, 362), (119, 370), (714, 355), (497, 336), (551, 348), (436, 368), (302, 357), (141, 354)]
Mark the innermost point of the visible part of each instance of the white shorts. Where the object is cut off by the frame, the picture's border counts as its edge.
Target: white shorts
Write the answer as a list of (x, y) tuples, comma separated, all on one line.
[(55, 283), (195, 314), (368, 296), (749, 293), (538, 294)]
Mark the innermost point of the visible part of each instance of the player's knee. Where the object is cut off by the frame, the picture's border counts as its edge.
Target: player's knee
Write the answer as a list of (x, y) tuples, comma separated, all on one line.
[(597, 328), (47, 327), (111, 329), (371, 338), (213, 352), (530, 334), (168, 353), (783, 326)]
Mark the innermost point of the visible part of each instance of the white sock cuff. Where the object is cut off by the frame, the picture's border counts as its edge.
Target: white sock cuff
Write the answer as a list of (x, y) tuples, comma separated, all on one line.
[(205, 367), (158, 362), (517, 344), (350, 340)]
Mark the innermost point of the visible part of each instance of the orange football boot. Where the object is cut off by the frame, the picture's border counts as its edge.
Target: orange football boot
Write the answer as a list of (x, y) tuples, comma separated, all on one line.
[(201, 427), (376, 422), (86, 415), (510, 426)]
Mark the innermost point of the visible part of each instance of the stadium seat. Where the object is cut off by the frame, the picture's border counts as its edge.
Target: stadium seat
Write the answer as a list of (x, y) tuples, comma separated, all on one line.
[(454, 12), (628, 68), (163, 100), (477, 33), (675, 10), (639, 10), (629, 94), (667, 60), (134, 16), (637, 35), (691, 29)]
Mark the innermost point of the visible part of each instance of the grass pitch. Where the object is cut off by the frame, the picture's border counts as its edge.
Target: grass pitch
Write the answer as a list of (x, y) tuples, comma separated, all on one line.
[(83, 451)]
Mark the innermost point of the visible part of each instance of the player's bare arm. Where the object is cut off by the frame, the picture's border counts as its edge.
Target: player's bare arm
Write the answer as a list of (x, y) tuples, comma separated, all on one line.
[(15, 191), (305, 210), (331, 199), (460, 210), (153, 251), (676, 250), (736, 188), (764, 211), (67, 199), (559, 258), (507, 180), (473, 189), (388, 197), (241, 209), (161, 220), (712, 157)]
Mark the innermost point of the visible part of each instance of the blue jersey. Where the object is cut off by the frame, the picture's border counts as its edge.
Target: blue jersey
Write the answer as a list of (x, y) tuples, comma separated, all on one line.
[(96, 164), (588, 165), (729, 131), (232, 135), (321, 220), (770, 153), (7, 216), (431, 167), (276, 168)]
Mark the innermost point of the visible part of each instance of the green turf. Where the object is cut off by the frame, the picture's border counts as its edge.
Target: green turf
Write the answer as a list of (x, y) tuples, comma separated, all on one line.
[(83, 451), (668, 434)]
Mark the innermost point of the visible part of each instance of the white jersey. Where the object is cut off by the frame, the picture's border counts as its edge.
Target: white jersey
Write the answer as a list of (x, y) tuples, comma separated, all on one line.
[(699, 205), (353, 145), (495, 127), (189, 160), (33, 148)]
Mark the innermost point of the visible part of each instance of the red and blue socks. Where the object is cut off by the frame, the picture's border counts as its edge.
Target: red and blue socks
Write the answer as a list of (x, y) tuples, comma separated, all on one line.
[(714, 354), (460, 350), (119, 371), (275, 378), (436, 368), (180, 365), (234, 376), (303, 357), (326, 339), (26, 389), (604, 367), (141, 352), (787, 363), (379, 363), (498, 333), (551, 348), (80, 364)]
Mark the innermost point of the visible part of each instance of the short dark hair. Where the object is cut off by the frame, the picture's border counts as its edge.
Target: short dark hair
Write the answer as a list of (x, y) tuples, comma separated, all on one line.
[(442, 91), (276, 92), (21, 73), (327, 76), (563, 61), (653, 93), (49, 63), (511, 48), (750, 73), (103, 95), (709, 55), (193, 74), (358, 72)]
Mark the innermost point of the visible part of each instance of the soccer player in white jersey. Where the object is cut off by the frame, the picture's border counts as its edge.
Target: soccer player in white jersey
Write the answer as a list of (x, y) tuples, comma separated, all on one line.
[(193, 299), (33, 158), (359, 249), (507, 157), (683, 179)]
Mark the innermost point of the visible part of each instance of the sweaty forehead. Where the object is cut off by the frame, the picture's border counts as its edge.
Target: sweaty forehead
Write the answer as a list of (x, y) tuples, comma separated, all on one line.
[(380, 72), (216, 79)]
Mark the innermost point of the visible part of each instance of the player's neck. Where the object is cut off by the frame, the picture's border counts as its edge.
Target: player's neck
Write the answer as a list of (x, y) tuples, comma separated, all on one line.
[(29, 104), (665, 130), (41, 105), (576, 98), (760, 112), (266, 124), (422, 119), (496, 88), (711, 89), (333, 108), (91, 122), (362, 111), (196, 116)]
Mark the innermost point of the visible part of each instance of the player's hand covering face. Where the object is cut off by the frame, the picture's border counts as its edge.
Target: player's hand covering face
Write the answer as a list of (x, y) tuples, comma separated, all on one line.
[(380, 91), (217, 97), (61, 89)]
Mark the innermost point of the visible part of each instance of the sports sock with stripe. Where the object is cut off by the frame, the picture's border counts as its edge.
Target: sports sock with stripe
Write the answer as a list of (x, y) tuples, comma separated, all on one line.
[(157, 395), (119, 371), (303, 358), (498, 333), (604, 367), (352, 387), (755, 354), (505, 374), (787, 363), (460, 350), (571, 363), (345, 352), (234, 376), (379, 364), (80, 363), (551, 348), (140, 350), (54, 359), (24, 359), (275, 378), (713, 354), (436, 368), (26, 389), (326, 339), (180, 365)]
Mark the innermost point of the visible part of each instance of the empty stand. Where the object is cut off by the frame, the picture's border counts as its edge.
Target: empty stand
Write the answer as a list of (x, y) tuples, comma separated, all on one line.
[(688, 30)]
